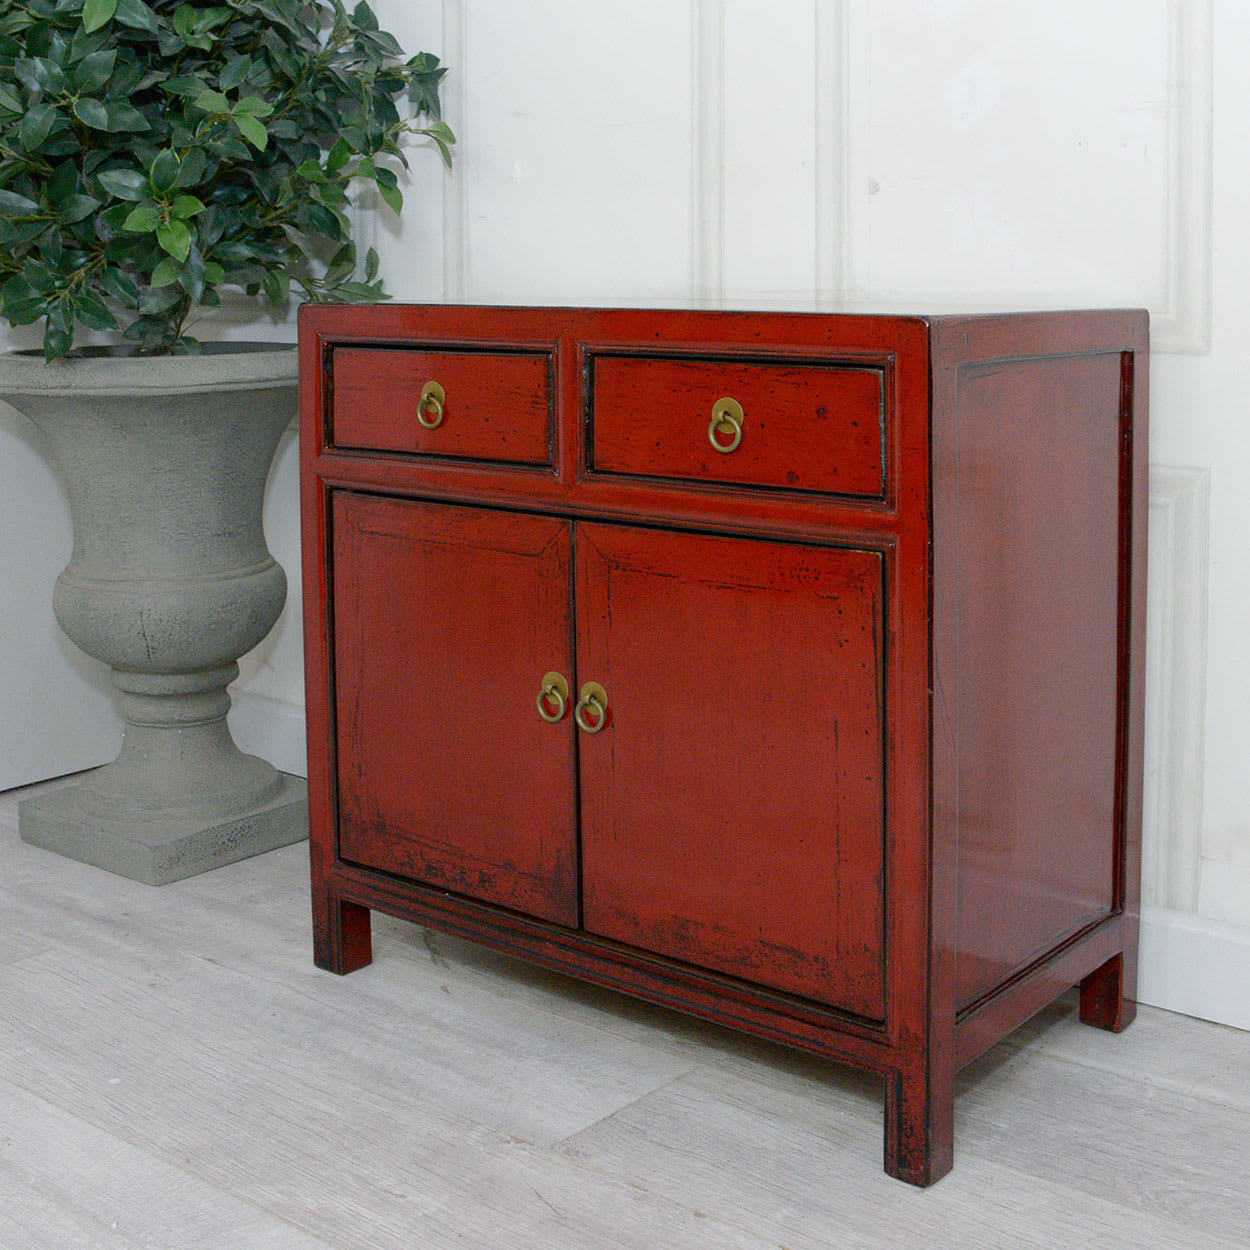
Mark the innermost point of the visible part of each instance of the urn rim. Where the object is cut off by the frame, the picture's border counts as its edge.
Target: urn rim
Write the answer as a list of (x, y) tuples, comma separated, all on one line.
[(222, 366)]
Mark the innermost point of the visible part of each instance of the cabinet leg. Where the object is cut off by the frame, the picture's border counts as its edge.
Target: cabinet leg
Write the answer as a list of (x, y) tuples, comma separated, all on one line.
[(919, 1128), (342, 938), (1106, 1002)]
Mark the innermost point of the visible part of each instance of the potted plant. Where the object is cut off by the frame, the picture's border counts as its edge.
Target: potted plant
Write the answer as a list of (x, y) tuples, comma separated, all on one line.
[(153, 156)]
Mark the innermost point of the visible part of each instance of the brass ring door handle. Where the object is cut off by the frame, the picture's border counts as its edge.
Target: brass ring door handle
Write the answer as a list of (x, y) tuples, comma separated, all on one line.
[(727, 420), (595, 701), (554, 690), (431, 402)]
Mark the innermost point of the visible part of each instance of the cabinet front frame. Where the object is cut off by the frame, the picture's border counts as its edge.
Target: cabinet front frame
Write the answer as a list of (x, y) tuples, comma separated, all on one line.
[(896, 527)]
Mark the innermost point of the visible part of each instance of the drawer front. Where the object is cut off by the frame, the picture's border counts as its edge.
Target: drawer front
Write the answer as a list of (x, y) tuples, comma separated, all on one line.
[(803, 426), (495, 405)]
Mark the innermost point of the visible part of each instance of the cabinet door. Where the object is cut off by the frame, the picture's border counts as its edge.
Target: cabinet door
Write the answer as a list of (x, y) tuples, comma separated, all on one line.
[(732, 803), (446, 620)]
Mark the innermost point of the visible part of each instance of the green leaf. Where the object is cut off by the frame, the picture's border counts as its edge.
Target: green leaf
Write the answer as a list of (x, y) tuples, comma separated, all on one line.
[(310, 171), (11, 202), (252, 130), (359, 291), (165, 274), (160, 301), (184, 20), (97, 13), (193, 169), (36, 126), (58, 336), (93, 312), (62, 184), (253, 106), (48, 76), (143, 220), (91, 113), (124, 119), (96, 69), (277, 287), (212, 102), (121, 286), (187, 85), (442, 135), (125, 184), (235, 71), (393, 196), (77, 207), (137, 15), (163, 171), (39, 276), (191, 275), (175, 238), (371, 264), (185, 207), (338, 156)]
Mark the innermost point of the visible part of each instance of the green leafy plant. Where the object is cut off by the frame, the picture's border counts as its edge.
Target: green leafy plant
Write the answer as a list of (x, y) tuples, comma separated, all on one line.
[(153, 153)]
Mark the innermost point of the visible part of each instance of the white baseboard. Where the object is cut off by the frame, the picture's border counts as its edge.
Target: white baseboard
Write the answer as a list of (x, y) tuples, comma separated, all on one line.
[(1196, 966), (270, 728)]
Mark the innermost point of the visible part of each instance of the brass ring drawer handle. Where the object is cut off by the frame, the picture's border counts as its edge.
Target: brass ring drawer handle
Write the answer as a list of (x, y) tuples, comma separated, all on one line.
[(430, 405), (554, 690), (594, 700), (727, 419)]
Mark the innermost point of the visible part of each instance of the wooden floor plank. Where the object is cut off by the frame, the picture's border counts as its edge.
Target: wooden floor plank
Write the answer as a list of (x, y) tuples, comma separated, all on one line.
[(1194, 1057), (448, 1096), (1114, 1137), (791, 1164), (319, 1145), (66, 1185), (418, 1025)]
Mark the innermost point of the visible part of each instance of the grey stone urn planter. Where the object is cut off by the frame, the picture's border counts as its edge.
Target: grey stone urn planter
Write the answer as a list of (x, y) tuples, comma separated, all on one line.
[(170, 582)]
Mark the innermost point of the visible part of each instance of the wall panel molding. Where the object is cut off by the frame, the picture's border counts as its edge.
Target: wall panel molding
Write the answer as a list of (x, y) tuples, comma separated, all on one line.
[(455, 189), (830, 43), (1183, 324), (707, 216), (1176, 674), (1181, 313)]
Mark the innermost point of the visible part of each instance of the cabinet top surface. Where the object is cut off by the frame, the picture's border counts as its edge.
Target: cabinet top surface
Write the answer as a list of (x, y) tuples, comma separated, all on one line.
[(781, 304), (966, 333)]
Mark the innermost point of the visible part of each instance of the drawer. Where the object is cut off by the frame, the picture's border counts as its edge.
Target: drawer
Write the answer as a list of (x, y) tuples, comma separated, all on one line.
[(804, 426), (495, 405)]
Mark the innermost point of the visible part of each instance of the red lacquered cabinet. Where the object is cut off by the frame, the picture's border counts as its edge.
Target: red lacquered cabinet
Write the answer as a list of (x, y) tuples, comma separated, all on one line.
[(783, 668)]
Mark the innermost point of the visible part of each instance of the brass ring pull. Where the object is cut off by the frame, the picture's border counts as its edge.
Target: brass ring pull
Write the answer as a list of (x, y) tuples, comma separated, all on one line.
[(555, 690), (594, 700), (727, 418), (432, 399)]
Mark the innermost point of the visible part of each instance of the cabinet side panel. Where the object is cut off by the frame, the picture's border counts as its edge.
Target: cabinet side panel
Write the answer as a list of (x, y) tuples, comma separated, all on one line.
[(1036, 532)]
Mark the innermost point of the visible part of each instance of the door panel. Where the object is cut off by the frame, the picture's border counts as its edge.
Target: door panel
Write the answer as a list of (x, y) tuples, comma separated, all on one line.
[(732, 805), (446, 620)]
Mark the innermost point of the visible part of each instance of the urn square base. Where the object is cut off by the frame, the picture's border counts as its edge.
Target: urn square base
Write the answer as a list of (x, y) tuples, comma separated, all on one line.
[(158, 853)]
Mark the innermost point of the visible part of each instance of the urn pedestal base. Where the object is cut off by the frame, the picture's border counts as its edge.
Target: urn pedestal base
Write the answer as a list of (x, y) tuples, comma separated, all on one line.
[(170, 581), (157, 852)]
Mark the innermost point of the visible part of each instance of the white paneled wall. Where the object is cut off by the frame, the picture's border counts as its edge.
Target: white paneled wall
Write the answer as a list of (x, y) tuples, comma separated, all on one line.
[(914, 153), (910, 152)]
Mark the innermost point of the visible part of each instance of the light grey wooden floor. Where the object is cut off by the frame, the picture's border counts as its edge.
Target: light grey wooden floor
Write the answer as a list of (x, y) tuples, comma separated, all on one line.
[(174, 1073)]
